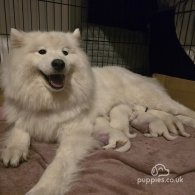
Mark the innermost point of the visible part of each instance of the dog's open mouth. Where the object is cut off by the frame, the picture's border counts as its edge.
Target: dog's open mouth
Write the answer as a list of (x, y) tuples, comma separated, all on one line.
[(56, 81)]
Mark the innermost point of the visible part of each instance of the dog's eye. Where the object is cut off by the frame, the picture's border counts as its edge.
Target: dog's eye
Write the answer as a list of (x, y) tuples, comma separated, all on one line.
[(42, 51), (65, 52)]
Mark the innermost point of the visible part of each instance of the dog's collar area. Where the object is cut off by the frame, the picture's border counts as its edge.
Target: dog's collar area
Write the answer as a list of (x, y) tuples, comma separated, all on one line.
[(56, 81)]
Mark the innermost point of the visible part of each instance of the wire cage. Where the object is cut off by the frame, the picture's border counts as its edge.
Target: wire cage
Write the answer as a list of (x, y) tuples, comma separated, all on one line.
[(113, 32), (185, 26)]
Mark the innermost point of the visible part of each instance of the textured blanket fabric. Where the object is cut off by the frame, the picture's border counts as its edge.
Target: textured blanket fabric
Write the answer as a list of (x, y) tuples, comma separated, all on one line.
[(114, 173)]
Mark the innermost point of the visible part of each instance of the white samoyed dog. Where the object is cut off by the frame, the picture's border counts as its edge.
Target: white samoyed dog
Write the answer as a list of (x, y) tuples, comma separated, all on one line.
[(52, 94)]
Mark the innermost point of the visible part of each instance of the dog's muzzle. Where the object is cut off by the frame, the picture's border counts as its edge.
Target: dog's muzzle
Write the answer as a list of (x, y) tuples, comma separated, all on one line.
[(56, 80)]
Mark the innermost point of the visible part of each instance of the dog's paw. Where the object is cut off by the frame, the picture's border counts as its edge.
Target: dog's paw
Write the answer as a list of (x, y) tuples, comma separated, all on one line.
[(13, 155), (118, 141)]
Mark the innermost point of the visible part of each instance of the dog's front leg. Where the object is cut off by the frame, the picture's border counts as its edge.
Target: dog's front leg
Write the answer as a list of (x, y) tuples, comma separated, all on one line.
[(60, 174), (16, 146)]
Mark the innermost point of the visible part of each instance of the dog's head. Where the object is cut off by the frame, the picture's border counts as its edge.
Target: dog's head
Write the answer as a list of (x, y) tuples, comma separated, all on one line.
[(46, 70)]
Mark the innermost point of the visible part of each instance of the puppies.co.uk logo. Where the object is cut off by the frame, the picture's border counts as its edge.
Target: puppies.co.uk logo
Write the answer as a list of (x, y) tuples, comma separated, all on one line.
[(159, 173), (159, 170)]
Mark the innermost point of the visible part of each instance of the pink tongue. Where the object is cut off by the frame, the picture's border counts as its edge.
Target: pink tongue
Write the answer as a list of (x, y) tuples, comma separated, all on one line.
[(56, 81)]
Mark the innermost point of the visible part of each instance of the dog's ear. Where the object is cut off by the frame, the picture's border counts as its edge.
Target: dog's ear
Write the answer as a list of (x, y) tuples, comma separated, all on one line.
[(77, 34), (16, 38)]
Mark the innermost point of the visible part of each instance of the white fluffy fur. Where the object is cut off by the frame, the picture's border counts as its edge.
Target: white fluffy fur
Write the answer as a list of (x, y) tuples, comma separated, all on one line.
[(119, 119), (37, 111), (156, 125), (67, 116), (117, 140), (159, 123)]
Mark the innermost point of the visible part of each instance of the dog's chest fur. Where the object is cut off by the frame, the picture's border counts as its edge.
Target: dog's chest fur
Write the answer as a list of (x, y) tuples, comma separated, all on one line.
[(43, 126)]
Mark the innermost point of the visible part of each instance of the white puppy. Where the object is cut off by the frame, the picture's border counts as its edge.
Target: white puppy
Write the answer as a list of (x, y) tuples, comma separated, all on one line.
[(159, 122), (119, 119), (156, 127), (173, 123), (117, 139), (116, 125)]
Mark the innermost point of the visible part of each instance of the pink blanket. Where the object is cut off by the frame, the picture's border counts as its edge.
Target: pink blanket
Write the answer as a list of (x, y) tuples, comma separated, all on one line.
[(114, 173)]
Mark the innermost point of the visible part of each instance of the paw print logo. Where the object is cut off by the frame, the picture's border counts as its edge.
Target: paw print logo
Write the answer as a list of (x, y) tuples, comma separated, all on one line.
[(159, 170)]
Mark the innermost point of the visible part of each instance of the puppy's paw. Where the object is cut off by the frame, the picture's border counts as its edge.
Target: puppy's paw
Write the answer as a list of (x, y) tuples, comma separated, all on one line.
[(13, 155), (118, 141)]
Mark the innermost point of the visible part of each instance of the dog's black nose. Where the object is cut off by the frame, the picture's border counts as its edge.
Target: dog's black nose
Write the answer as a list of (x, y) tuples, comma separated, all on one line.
[(58, 65)]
